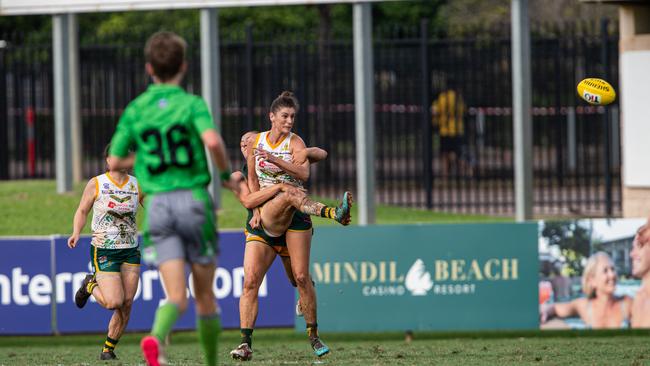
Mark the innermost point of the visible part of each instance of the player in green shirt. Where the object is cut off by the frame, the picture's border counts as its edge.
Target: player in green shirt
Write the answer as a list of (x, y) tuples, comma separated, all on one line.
[(169, 130)]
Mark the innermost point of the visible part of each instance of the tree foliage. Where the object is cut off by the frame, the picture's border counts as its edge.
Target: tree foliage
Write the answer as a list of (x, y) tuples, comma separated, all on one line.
[(448, 18), (573, 240)]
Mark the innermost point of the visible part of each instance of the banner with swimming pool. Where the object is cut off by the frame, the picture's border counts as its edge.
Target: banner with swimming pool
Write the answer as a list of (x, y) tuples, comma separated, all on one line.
[(39, 278), (426, 277)]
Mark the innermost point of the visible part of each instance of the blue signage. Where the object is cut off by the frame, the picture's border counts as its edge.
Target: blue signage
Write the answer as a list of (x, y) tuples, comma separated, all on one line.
[(27, 286)]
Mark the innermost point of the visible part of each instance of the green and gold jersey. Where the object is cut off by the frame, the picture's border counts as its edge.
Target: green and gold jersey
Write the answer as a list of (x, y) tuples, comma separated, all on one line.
[(164, 126), (114, 211)]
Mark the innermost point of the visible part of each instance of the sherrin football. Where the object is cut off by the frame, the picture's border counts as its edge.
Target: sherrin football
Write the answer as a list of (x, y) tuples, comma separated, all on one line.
[(596, 91)]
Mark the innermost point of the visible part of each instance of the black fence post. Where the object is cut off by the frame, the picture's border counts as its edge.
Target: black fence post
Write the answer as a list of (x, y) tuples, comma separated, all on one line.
[(4, 145), (249, 78), (604, 54), (426, 115)]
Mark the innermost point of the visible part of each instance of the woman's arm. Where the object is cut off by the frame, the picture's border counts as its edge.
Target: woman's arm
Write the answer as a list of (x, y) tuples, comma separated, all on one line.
[(80, 216), (250, 199), (314, 154), (253, 182), (560, 310)]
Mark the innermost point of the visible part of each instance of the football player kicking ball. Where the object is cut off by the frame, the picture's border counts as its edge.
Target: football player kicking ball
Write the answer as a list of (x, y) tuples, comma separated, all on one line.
[(169, 130), (262, 248)]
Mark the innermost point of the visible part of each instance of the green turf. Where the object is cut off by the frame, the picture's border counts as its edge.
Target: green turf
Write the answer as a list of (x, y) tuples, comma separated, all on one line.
[(285, 347), (34, 208)]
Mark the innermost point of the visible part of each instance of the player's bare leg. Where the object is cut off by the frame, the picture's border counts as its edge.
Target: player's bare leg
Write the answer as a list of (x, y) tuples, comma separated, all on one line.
[(258, 258), (286, 263), (298, 198), (129, 276), (299, 246), (277, 214)]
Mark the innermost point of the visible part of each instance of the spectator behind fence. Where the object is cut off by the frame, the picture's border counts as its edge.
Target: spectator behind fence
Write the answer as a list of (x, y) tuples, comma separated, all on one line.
[(448, 114), (640, 256), (600, 308)]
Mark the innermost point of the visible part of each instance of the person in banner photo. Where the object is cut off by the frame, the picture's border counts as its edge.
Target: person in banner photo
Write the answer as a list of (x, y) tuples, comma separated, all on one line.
[(171, 131), (600, 308), (640, 256), (114, 251)]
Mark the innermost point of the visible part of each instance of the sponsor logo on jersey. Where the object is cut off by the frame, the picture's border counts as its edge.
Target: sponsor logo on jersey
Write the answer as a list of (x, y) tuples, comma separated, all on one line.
[(106, 186), (111, 204), (120, 199)]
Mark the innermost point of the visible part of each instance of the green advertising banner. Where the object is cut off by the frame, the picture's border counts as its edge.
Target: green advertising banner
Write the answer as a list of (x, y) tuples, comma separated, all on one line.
[(426, 277)]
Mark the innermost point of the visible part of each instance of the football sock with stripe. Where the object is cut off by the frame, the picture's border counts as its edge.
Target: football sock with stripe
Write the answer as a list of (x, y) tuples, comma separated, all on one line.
[(312, 330), (164, 320), (317, 209), (328, 212), (247, 336), (110, 344), (91, 286), (209, 328)]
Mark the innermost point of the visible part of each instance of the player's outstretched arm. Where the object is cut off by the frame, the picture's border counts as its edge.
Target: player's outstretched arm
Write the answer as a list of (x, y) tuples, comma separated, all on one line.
[(253, 182), (314, 154), (80, 216), (250, 199), (217, 148)]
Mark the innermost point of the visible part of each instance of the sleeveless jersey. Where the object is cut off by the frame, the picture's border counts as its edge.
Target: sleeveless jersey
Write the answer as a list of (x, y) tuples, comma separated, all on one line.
[(114, 213), (269, 174)]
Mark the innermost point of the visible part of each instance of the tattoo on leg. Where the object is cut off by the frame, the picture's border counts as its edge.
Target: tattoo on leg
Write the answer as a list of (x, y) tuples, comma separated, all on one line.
[(311, 207)]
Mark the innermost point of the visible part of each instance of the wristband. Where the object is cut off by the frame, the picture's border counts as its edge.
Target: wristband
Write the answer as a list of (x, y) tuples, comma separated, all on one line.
[(225, 175)]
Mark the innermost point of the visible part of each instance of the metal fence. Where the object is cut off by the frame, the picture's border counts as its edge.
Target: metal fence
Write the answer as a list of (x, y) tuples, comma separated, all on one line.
[(576, 147)]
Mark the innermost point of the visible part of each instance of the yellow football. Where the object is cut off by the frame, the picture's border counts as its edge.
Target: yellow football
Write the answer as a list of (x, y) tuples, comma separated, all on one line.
[(596, 91)]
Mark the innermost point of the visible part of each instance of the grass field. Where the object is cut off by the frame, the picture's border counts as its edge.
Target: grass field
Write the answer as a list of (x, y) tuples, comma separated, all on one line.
[(285, 347), (34, 208)]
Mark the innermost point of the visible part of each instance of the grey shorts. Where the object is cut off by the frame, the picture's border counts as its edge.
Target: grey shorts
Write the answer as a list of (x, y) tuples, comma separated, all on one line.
[(180, 225)]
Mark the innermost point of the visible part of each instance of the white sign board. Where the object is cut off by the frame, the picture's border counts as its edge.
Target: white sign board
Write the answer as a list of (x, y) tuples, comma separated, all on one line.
[(635, 94), (24, 7)]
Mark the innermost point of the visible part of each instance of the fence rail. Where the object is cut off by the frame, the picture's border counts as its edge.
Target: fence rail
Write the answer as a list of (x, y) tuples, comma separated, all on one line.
[(415, 165)]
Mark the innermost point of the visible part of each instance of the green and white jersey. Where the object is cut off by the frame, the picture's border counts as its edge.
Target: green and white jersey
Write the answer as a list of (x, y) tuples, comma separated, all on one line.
[(269, 174), (114, 213), (164, 126)]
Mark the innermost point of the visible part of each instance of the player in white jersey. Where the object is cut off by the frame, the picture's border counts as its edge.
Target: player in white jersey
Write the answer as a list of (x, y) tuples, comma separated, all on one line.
[(273, 160), (114, 251)]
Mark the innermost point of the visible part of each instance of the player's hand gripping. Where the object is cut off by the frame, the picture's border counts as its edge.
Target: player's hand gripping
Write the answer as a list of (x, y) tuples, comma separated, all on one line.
[(73, 240), (299, 156), (256, 220), (265, 155), (232, 183)]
